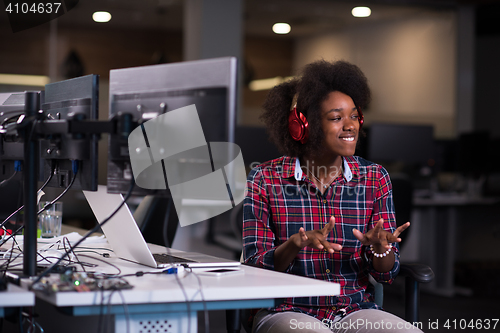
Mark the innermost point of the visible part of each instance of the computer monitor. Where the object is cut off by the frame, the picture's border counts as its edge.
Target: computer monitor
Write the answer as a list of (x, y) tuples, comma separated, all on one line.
[(11, 152), (471, 145), (409, 144), (11, 147), (255, 145), (71, 99), (149, 91)]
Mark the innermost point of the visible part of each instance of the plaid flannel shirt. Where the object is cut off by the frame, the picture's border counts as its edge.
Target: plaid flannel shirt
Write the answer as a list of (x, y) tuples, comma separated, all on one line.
[(281, 199)]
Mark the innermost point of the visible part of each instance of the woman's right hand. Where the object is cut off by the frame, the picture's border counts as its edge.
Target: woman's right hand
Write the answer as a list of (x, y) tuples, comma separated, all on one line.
[(286, 252), (316, 238)]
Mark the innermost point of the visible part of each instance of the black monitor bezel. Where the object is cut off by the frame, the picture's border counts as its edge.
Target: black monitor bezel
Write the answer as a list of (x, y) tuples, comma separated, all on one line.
[(62, 100)]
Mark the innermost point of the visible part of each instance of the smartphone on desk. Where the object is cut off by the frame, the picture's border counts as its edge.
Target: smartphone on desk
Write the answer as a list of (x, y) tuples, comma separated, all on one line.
[(221, 272)]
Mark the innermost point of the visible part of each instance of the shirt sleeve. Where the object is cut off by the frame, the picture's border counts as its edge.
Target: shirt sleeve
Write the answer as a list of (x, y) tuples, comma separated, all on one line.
[(258, 237), (383, 207)]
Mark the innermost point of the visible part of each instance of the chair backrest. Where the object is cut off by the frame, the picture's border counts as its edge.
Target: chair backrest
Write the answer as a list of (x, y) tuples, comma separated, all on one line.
[(11, 197), (402, 193), (157, 220)]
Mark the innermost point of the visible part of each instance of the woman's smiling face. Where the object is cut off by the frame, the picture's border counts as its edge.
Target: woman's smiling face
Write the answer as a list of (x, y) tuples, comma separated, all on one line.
[(340, 124)]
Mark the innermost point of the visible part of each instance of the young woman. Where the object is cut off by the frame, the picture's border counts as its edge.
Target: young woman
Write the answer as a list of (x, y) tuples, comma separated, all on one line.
[(319, 211)]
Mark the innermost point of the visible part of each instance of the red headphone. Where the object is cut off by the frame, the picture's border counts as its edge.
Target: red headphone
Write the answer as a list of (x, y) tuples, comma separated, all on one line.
[(298, 125), (361, 118)]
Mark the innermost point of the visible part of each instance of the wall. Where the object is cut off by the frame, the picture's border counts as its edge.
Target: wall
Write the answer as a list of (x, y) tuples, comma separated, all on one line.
[(410, 64), (263, 58), (487, 106), (100, 49)]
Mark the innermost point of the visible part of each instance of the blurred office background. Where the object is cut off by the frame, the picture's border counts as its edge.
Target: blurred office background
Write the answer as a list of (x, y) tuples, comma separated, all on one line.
[(432, 66)]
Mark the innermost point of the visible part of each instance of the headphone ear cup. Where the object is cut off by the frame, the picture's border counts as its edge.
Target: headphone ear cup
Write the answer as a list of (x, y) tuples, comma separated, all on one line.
[(298, 126), (361, 118)]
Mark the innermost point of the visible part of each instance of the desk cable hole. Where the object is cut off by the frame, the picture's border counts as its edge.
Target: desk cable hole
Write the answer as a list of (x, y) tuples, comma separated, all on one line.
[(157, 326)]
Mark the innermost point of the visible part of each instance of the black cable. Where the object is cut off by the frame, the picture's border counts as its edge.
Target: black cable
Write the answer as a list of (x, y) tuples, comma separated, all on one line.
[(205, 309), (125, 309), (81, 248), (101, 311), (106, 262), (12, 235), (188, 305), (75, 164), (76, 167), (14, 242), (7, 121), (65, 239), (141, 273), (91, 251), (108, 314), (21, 328), (10, 259), (17, 126), (41, 188), (5, 181), (40, 260), (166, 220), (90, 232)]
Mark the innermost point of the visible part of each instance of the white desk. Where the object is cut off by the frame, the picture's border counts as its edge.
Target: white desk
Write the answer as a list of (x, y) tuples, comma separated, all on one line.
[(15, 297), (158, 299)]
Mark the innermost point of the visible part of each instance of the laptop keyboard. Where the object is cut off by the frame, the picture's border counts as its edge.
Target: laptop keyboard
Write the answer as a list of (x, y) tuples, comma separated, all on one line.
[(164, 258)]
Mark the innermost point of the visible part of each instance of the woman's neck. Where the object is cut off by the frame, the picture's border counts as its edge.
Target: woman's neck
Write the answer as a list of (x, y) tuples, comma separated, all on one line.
[(323, 169)]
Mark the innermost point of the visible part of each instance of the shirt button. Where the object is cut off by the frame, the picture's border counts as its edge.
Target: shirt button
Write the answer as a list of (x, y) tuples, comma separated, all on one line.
[(324, 201), (327, 270)]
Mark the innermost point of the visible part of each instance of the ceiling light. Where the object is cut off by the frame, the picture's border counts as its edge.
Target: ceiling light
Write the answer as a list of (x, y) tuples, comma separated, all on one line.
[(281, 28), (361, 12), (24, 80), (101, 17), (266, 84)]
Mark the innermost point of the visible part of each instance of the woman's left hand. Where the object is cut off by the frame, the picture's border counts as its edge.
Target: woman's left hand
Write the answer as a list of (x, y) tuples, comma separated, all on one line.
[(380, 238)]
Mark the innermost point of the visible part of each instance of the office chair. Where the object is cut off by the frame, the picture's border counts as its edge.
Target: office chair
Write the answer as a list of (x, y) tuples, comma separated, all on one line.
[(157, 220), (402, 194), (257, 148)]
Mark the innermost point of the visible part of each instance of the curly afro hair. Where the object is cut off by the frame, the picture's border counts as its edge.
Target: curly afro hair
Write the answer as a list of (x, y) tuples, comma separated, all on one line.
[(318, 80)]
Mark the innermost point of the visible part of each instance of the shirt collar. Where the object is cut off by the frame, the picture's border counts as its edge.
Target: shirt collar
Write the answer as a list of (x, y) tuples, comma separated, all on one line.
[(298, 170)]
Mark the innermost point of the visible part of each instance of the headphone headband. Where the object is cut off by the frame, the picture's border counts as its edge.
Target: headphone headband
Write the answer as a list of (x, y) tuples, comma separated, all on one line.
[(294, 102)]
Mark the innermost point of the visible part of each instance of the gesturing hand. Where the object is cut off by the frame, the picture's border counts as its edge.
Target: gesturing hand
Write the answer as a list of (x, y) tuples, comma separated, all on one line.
[(317, 238), (378, 237)]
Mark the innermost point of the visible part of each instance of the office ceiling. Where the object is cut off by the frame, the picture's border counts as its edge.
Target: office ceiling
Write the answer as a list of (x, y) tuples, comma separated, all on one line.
[(305, 16)]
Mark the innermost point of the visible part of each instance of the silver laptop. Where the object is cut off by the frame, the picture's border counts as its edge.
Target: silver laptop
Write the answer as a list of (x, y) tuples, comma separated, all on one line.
[(126, 239)]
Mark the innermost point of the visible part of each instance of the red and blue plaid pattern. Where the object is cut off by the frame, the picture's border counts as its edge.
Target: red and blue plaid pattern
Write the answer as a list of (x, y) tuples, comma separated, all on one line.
[(277, 205)]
